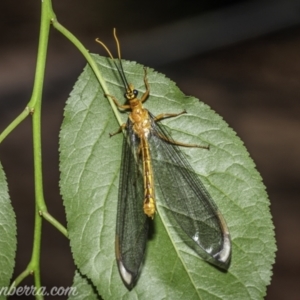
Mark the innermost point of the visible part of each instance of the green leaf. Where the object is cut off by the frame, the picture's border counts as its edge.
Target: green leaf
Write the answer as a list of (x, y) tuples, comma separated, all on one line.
[(90, 166), (8, 240), (82, 289)]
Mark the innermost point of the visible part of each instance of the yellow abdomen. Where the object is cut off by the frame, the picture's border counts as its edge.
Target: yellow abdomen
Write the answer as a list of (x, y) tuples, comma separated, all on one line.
[(149, 196)]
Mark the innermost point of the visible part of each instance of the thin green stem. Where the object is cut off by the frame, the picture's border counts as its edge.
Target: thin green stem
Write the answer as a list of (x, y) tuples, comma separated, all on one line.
[(20, 278), (54, 222), (91, 62), (35, 104), (15, 123), (36, 101), (47, 16), (35, 258)]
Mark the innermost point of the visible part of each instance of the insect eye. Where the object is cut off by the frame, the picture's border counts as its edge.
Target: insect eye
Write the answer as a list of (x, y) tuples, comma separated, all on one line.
[(135, 92)]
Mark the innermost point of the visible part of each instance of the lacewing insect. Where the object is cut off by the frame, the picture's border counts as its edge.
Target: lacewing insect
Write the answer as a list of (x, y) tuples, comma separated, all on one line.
[(151, 158)]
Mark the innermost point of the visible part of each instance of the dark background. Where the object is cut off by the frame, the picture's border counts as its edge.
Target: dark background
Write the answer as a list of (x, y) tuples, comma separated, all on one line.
[(240, 57)]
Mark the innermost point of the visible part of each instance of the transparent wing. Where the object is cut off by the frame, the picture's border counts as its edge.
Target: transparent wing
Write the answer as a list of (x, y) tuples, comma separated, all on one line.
[(132, 223), (185, 200)]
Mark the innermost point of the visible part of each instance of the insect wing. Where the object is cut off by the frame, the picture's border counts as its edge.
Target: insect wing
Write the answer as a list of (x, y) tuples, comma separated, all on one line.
[(185, 199), (132, 223)]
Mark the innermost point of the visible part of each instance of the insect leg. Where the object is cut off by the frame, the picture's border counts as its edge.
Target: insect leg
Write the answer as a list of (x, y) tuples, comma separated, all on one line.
[(180, 143), (165, 138), (123, 126), (120, 106), (164, 116)]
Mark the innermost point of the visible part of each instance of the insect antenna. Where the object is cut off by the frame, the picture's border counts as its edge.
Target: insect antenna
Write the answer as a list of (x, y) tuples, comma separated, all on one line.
[(120, 66)]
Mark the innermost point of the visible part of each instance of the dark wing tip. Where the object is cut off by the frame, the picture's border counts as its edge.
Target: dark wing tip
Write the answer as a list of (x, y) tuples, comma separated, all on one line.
[(129, 278), (223, 257)]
